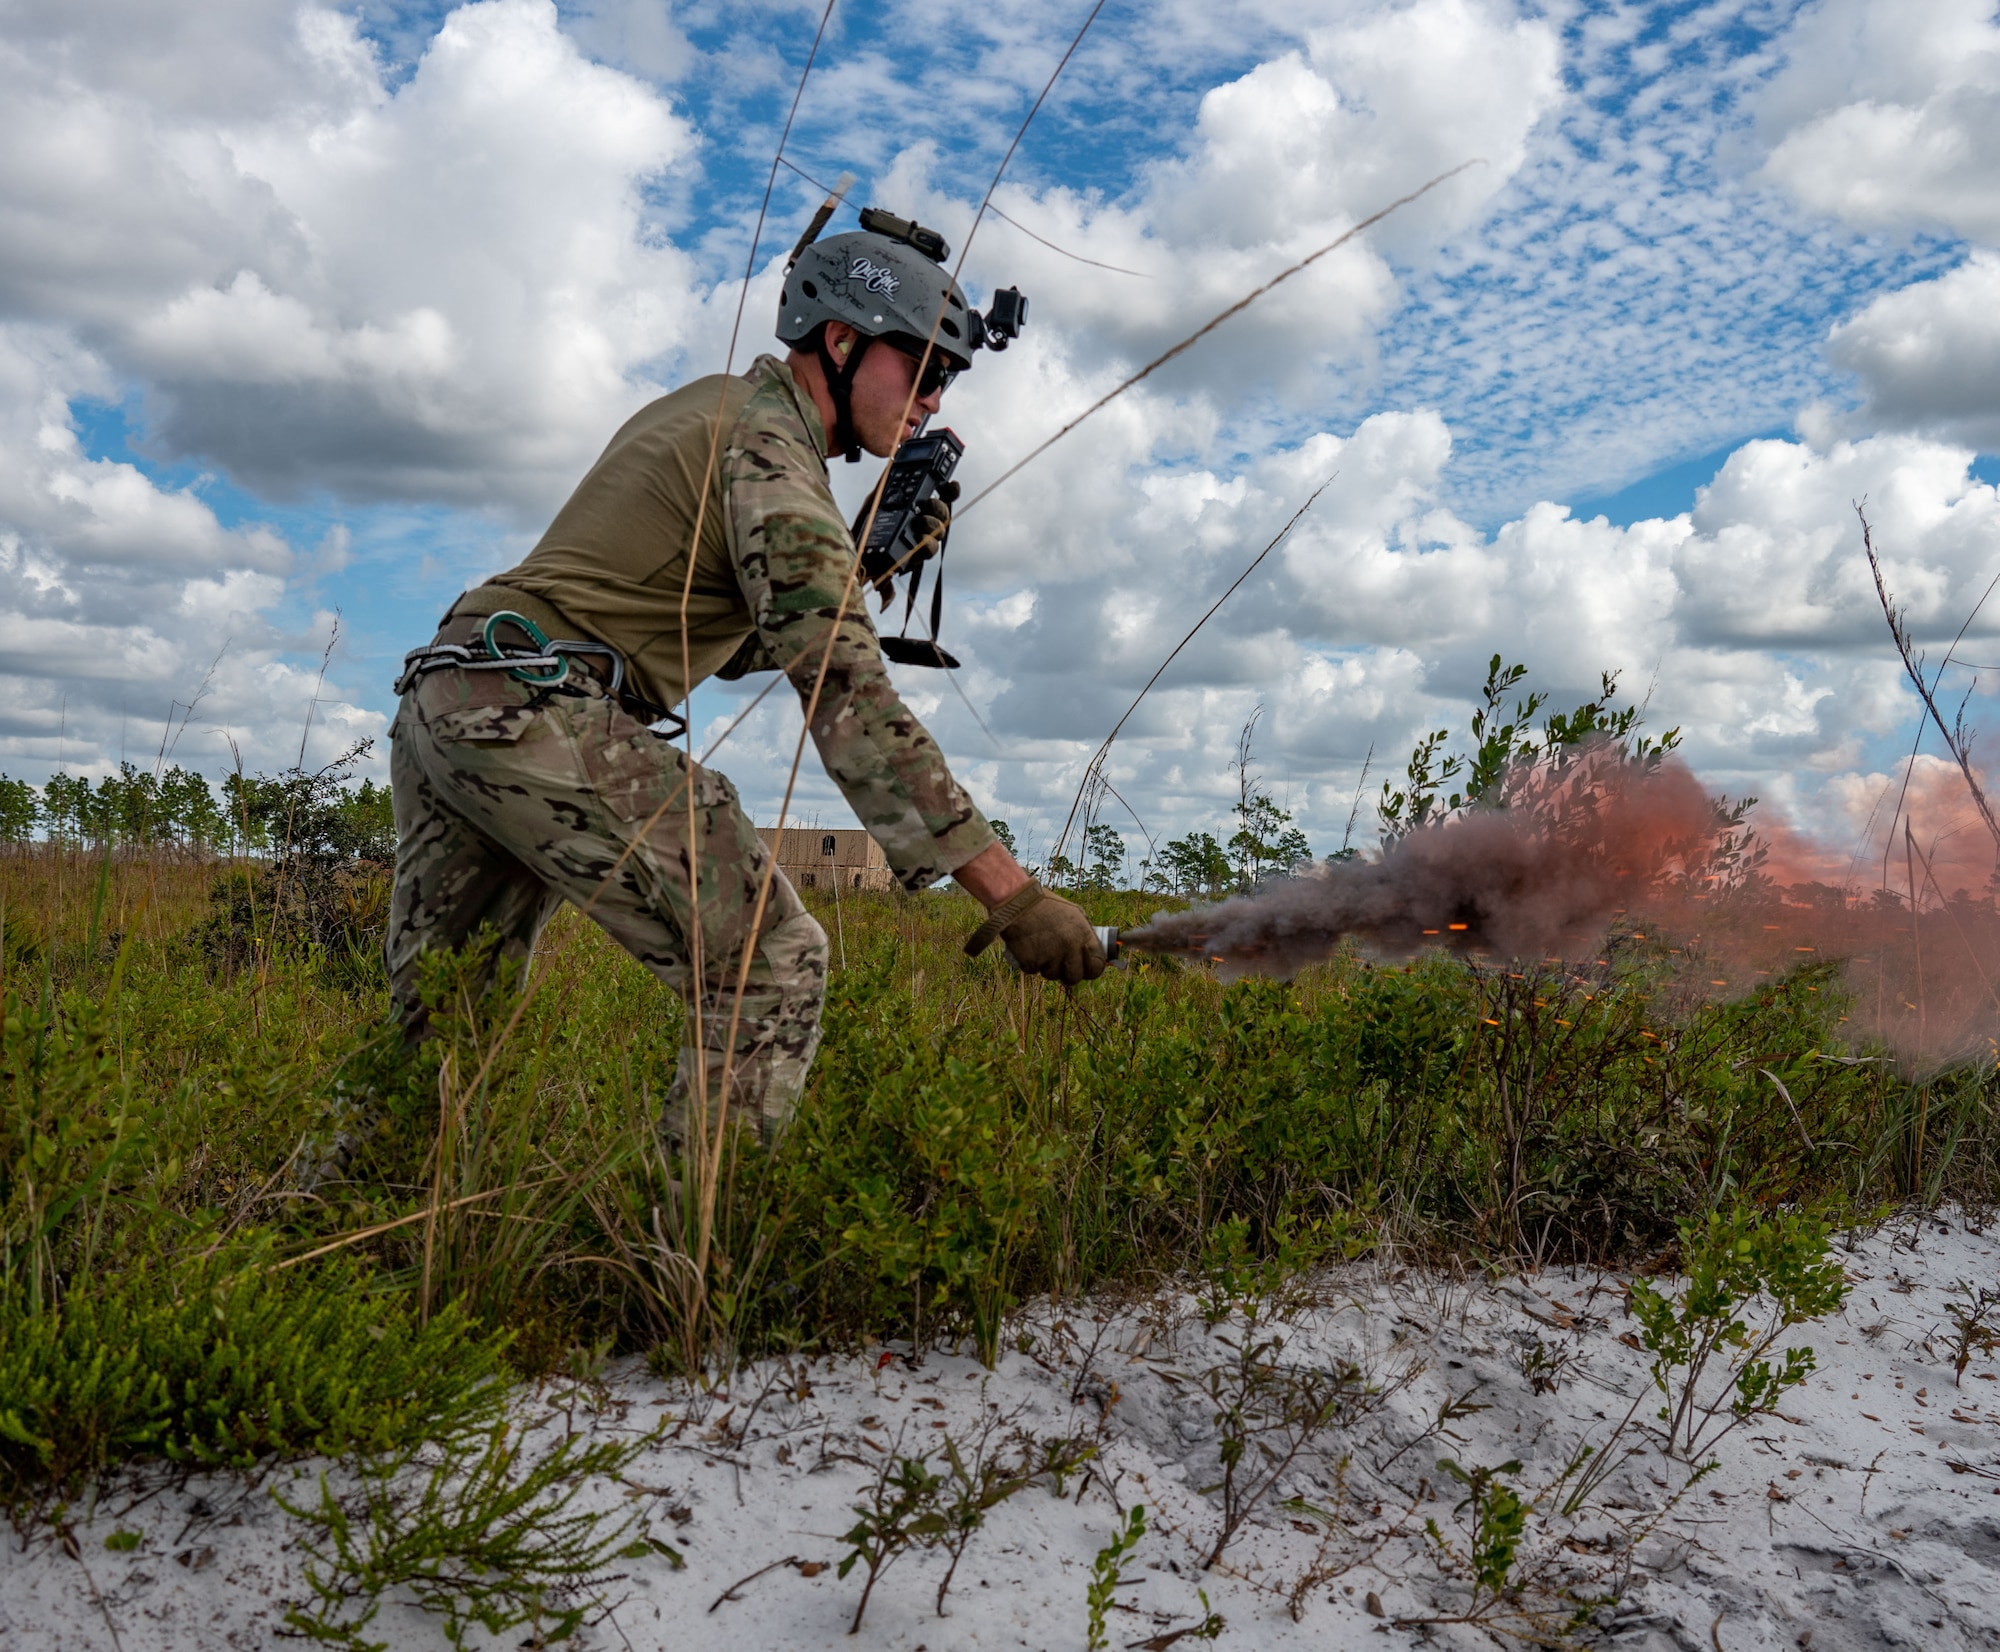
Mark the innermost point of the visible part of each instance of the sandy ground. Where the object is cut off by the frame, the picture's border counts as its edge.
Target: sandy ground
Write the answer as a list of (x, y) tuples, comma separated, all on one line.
[(1866, 1514)]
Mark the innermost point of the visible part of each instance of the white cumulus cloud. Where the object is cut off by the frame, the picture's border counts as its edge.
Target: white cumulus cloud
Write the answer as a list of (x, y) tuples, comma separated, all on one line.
[(1887, 113), (119, 597), (1928, 356), (445, 289)]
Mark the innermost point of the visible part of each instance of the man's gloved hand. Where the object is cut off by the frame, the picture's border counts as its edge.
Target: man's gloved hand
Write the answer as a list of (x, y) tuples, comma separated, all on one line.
[(934, 520), (1045, 935), (931, 519), (1053, 939)]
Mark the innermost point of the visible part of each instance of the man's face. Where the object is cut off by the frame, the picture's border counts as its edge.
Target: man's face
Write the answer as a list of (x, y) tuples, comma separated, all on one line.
[(881, 392)]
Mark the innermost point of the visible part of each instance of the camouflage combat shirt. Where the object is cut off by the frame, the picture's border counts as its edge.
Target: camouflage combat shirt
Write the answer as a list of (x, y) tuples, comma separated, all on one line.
[(773, 559)]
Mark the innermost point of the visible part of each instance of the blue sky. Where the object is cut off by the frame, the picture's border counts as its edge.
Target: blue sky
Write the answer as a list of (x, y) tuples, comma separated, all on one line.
[(317, 309)]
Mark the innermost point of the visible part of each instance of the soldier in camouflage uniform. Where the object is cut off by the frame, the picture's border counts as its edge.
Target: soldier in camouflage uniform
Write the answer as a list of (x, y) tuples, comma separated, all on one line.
[(704, 541)]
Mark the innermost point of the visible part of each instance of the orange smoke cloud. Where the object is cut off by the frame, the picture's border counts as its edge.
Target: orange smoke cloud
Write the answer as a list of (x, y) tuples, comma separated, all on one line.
[(1609, 841)]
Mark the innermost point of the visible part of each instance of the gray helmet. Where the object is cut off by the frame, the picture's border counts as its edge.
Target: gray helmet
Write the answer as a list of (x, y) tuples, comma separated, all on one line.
[(887, 281)]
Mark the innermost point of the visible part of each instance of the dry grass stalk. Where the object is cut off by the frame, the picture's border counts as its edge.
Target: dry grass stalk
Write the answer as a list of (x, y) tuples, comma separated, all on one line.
[(709, 1173)]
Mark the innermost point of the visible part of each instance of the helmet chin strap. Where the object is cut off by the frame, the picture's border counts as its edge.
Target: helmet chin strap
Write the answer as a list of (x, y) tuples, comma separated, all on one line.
[(839, 385)]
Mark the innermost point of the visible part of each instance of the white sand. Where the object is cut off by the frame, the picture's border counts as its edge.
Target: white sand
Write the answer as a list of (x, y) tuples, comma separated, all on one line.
[(1867, 1515)]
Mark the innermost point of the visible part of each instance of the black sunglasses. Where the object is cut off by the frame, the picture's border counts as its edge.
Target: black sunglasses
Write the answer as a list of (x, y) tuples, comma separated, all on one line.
[(938, 371)]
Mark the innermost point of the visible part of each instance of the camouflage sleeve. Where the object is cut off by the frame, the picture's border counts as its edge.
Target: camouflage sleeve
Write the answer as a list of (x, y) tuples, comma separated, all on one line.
[(793, 554)]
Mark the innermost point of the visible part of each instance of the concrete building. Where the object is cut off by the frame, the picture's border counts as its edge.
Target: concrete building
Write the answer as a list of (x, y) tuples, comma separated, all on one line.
[(814, 856)]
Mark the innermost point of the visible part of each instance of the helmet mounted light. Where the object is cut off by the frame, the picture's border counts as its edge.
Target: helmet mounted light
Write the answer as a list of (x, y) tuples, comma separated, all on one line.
[(926, 241)]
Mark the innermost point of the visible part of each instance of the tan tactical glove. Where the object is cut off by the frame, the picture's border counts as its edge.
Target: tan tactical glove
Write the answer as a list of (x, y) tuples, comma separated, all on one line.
[(933, 522), (934, 519), (1045, 935)]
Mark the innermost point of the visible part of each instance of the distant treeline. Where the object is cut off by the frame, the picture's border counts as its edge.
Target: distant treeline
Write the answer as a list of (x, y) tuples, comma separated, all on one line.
[(177, 810)]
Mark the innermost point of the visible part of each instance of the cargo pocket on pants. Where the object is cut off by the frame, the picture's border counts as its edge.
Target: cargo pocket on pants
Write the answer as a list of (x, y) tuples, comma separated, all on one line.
[(636, 773), (475, 706)]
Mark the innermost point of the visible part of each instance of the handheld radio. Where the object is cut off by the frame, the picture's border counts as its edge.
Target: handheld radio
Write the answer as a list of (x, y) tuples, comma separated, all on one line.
[(897, 541)]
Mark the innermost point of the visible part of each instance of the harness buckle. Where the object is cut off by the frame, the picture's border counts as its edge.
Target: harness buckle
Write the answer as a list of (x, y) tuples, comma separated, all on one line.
[(550, 678)]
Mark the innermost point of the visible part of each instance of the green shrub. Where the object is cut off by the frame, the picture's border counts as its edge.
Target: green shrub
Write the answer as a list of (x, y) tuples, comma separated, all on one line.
[(1751, 1277), (479, 1528), (1499, 1517), (1105, 1575), (219, 1364), (68, 1122), (923, 1175)]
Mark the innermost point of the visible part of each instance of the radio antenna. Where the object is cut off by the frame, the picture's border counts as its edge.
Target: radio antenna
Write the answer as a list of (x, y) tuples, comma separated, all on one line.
[(827, 209)]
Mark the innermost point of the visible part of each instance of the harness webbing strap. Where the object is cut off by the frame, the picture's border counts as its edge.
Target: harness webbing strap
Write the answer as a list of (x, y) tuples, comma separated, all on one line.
[(549, 655)]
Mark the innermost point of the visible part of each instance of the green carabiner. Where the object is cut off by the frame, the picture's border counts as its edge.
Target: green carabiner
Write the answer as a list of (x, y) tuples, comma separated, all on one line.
[(534, 632)]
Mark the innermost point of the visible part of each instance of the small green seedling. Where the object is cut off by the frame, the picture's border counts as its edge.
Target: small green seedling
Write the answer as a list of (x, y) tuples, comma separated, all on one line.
[(1975, 1321), (1546, 1367), (1104, 1578), (901, 1513), (912, 1505), (478, 1527), (1267, 1412), (975, 1485), (1499, 1517)]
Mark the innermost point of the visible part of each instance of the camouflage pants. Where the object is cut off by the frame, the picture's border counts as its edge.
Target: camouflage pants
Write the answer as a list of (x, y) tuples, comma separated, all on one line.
[(511, 799)]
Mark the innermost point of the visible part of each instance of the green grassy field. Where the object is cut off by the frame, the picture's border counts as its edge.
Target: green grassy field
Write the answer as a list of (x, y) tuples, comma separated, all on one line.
[(969, 1139)]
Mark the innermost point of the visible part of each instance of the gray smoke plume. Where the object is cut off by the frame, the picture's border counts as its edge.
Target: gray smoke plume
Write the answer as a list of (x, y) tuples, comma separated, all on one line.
[(1541, 877)]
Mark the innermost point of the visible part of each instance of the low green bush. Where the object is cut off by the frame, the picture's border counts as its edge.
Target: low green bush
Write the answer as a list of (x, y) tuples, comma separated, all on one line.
[(479, 1526), (919, 1186), (69, 1124), (1750, 1277), (966, 1141), (221, 1363)]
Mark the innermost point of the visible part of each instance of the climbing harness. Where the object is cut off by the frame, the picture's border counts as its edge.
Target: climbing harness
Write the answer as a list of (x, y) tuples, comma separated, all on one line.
[(546, 663)]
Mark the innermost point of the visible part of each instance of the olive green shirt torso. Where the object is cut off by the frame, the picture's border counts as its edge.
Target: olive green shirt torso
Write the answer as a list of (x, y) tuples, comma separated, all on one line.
[(615, 559), (736, 468)]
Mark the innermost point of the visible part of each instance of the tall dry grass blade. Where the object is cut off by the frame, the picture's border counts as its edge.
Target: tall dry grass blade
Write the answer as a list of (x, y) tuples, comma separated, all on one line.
[(440, 1153), (1957, 738), (376, 1229), (1354, 813), (1951, 912), (298, 773), (711, 1173), (698, 1109), (1209, 326), (1095, 764), (1097, 264)]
